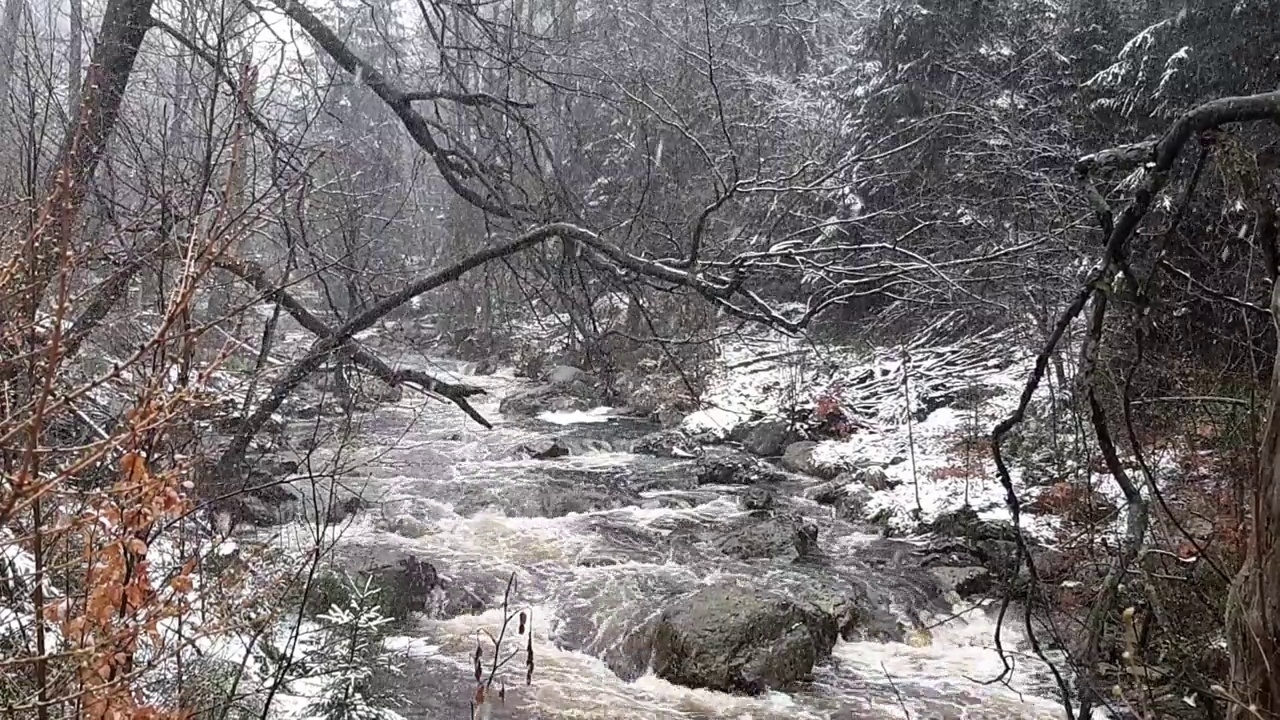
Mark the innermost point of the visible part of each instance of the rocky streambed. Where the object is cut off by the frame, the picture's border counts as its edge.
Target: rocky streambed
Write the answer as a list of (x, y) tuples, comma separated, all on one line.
[(666, 578)]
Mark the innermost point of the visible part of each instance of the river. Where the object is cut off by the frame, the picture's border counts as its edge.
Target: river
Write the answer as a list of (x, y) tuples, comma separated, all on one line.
[(598, 541)]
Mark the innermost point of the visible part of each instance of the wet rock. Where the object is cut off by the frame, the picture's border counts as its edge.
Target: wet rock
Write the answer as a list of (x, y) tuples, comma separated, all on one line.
[(781, 537), (255, 511), (742, 426), (859, 609), (268, 499), (486, 366), (962, 540), (735, 470), (768, 439), (799, 458), (849, 499), (344, 509), (552, 499), (410, 585), (965, 523), (561, 501), (743, 640), (545, 449), (408, 526), (667, 443), (964, 581), (827, 493), (872, 477), (562, 375), (756, 499), (585, 446), (581, 394), (854, 505), (1052, 566)]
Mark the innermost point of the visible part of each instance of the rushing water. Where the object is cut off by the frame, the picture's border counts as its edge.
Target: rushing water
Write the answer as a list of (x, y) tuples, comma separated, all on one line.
[(598, 542)]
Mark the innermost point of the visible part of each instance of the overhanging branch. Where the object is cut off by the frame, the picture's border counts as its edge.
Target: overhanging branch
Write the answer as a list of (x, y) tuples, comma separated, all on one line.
[(256, 276)]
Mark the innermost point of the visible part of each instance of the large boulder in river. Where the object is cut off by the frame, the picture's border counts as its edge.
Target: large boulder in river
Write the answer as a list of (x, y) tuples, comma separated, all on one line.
[(768, 438), (735, 470), (267, 500), (563, 391), (780, 537), (566, 376), (800, 457), (849, 500), (741, 640), (546, 449), (672, 443)]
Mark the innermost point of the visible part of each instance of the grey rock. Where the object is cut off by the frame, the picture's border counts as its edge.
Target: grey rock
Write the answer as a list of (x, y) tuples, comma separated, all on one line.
[(566, 375), (767, 439), (585, 446), (344, 509), (964, 581), (780, 537), (798, 458), (849, 499), (854, 504), (965, 523), (486, 366), (872, 476), (408, 526), (668, 444), (552, 499), (735, 470), (545, 449), (757, 499), (546, 397), (742, 640)]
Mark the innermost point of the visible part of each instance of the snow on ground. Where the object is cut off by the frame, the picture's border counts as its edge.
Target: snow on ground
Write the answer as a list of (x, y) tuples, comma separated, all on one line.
[(936, 465)]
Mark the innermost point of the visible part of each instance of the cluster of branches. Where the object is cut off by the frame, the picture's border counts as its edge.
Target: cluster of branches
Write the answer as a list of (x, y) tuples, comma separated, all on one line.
[(1252, 629)]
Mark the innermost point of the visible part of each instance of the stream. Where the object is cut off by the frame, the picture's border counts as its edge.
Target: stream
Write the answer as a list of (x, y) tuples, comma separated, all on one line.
[(599, 541)]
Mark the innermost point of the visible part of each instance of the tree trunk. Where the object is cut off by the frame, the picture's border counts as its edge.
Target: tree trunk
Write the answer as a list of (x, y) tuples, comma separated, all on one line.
[(124, 24), (10, 27), (1253, 610)]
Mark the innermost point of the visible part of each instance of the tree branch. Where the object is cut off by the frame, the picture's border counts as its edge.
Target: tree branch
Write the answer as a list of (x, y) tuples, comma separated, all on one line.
[(454, 173), (256, 276), (229, 463)]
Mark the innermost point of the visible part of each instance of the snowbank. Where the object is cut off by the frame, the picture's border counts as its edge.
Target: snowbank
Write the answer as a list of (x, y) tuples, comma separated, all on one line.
[(933, 465)]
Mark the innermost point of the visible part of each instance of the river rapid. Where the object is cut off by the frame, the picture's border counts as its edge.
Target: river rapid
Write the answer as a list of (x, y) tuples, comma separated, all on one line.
[(599, 541)]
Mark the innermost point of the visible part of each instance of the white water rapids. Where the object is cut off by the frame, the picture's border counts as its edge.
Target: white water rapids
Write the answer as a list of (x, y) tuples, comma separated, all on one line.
[(593, 563)]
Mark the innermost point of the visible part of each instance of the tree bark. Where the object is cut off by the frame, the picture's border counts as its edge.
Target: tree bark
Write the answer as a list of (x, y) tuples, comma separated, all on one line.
[(1253, 609), (124, 25), (10, 27)]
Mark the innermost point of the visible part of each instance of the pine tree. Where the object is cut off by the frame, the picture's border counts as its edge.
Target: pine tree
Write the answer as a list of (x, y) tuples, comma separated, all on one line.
[(353, 649)]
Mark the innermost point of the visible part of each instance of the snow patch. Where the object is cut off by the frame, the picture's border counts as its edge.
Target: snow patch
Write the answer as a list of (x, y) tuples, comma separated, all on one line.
[(934, 465)]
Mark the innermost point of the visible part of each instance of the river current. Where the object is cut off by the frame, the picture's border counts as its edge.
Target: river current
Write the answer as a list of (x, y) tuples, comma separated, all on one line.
[(598, 542)]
